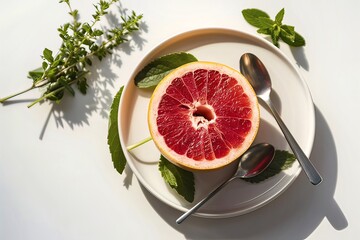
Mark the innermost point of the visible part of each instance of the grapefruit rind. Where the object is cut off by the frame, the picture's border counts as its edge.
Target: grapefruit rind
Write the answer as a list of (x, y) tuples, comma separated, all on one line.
[(182, 160)]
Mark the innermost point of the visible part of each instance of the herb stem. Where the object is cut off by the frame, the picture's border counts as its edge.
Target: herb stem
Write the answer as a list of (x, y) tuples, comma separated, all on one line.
[(131, 147), (16, 94), (56, 90), (45, 96)]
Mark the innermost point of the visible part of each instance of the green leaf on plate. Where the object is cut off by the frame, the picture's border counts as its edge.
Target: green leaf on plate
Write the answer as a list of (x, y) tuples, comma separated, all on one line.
[(282, 160), (177, 178), (156, 70), (117, 154)]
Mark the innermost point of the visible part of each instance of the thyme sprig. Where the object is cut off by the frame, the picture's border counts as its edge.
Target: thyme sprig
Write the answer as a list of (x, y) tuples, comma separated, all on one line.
[(81, 42)]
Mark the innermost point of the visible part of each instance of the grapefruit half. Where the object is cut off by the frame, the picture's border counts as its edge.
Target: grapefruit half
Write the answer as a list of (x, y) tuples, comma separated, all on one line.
[(203, 115)]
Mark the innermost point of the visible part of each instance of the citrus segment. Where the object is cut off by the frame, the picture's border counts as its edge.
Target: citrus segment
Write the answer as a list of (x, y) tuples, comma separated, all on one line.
[(203, 115)]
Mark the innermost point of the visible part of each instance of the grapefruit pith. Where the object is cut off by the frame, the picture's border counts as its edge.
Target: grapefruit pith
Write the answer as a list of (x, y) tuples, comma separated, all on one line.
[(203, 115)]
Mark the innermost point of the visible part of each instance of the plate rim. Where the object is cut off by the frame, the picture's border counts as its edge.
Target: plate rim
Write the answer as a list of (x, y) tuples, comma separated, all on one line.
[(183, 35)]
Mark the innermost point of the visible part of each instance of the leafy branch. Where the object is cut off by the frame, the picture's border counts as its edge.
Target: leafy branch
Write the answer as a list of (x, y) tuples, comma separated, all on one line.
[(81, 42)]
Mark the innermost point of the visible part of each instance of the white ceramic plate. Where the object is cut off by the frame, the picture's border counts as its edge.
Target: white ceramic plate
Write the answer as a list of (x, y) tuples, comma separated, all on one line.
[(291, 97)]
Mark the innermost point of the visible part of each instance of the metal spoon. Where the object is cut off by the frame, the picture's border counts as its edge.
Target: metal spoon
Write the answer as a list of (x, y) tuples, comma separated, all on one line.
[(252, 163), (255, 72)]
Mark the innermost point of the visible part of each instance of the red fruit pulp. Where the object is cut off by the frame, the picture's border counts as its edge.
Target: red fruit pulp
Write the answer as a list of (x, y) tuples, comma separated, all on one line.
[(204, 114)]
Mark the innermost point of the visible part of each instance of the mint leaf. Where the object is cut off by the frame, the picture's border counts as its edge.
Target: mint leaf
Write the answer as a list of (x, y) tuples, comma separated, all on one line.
[(266, 22), (253, 15), (287, 32), (177, 178), (280, 16), (297, 41), (113, 140), (282, 160), (156, 70)]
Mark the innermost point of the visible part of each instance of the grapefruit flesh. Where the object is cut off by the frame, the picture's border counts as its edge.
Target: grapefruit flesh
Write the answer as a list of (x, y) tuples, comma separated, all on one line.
[(203, 115)]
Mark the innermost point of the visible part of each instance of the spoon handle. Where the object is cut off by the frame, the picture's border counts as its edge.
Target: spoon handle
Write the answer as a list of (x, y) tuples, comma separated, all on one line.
[(204, 200), (304, 161)]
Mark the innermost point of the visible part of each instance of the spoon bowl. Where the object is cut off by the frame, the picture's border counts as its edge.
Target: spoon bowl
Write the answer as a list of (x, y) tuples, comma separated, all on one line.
[(256, 73), (253, 162)]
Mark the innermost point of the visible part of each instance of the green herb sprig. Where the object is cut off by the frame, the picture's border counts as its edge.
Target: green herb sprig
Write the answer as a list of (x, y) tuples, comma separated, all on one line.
[(81, 42), (274, 28)]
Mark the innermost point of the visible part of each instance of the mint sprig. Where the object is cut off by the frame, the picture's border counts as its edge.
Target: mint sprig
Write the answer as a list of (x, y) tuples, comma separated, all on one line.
[(274, 28)]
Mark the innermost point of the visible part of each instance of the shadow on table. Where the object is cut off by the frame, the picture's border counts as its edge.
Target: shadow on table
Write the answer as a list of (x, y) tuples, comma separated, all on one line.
[(300, 57), (298, 54), (293, 215)]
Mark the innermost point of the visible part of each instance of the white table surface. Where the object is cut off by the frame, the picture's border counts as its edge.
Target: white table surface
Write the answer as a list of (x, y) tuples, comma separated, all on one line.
[(56, 176)]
